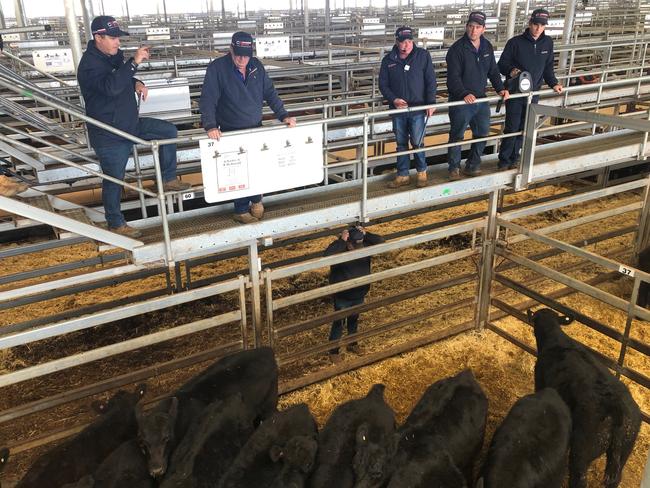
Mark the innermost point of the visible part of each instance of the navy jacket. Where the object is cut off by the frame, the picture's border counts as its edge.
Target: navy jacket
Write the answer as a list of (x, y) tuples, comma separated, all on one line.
[(351, 269), (107, 85), (231, 104), (468, 70), (527, 54), (416, 85)]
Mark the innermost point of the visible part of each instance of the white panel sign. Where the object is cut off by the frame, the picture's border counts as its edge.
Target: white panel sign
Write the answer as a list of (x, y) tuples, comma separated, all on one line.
[(454, 19), (246, 24), (54, 60), (647, 21), (157, 33), (433, 35), (272, 46), (583, 18), (555, 27), (253, 164), (10, 37), (273, 25), (371, 20)]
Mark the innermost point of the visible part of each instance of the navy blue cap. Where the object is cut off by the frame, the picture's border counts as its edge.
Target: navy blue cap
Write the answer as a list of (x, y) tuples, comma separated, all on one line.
[(403, 33), (106, 25), (477, 17), (539, 16), (242, 43)]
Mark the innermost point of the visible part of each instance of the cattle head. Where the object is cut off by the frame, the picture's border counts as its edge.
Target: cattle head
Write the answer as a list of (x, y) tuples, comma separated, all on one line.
[(120, 398), (546, 316), (156, 433), (298, 456), (371, 463)]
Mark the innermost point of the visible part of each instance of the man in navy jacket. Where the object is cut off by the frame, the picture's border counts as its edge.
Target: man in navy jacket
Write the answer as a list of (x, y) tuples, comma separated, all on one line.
[(470, 60), (234, 90), (407, 79), (109, 89), (531, 51)]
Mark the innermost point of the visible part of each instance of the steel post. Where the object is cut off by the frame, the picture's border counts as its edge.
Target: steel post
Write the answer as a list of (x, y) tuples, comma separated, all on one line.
[(161, 205), (305, 14), (512, 19), (487, 261), (364, 168), (73, 31), (88, 14), (254, 271), (3, 24), (569, 14)]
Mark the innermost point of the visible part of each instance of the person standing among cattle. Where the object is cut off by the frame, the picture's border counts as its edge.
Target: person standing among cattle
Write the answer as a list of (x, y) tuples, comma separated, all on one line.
[(470, 61), (234, 90), (350, 240), (531, 51), (109, 86), (407, 79)]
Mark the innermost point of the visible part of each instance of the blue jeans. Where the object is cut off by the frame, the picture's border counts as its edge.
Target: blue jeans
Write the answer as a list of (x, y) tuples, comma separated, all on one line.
[(242, 205), (113, 161), (477, 116), (515, 121), (352, 320), (409, 126)]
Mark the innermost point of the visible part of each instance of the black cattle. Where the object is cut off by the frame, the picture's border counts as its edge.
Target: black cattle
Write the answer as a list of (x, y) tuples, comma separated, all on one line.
[(451, 417), (529, 448), (125, 467), (280, 453), (253, 374), (4, 457), (81, 455), (211, 444), (357, 444), (605, 417), (85, 482), (643, 299)]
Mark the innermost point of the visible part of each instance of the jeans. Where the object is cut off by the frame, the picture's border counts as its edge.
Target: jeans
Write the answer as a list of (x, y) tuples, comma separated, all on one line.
[(113, 159), (477, 116), (515, 121), (242, 205), (352, 320), (409, 126)]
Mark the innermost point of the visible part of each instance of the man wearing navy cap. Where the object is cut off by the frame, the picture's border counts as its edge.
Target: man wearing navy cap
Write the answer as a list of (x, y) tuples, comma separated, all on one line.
[(234, 90), (470, 60), (407, 79), (108, 86), (531, 51), (351, 239)]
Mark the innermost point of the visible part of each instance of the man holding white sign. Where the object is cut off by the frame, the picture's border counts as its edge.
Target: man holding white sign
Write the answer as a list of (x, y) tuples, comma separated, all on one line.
[(234, 90)]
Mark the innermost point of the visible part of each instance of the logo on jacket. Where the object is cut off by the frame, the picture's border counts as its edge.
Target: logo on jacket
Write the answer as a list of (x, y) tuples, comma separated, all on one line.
[(392, 65)]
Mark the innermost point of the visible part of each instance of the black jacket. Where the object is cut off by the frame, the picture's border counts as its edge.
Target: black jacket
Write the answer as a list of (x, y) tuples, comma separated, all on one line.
[(527, 54), (416, 85), (468, 70), (231, 104), (107, 85), (351, 269)]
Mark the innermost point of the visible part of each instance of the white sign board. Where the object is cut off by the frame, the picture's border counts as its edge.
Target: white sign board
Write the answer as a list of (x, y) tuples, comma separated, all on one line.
[(433, 35), (253, 164), (371, 20), (10, 37), (454, 19), (273, 25), (555, 27), (54, 60), (272, 46), (157, 33)]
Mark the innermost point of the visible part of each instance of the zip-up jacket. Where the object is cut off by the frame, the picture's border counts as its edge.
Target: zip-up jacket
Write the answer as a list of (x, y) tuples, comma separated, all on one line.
[(229, 103), (412, 79), (527, 54), (467, 69), (107, 85), (351, 269)]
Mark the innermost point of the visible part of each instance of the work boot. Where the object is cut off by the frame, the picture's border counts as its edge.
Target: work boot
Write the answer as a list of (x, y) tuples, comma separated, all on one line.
[(126, 230), (257, 210), (513, 166), (10, 188), (176, 185), (335, 357), (421, 181), (245, 218), (354, 348), (454, 175), (472, 172), (400, 181)]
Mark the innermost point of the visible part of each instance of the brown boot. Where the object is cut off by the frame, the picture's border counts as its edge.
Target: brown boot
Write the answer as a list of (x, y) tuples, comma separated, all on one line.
[(10, 188), (454, 175), (421, 181), (126, 230), (245, 218), (400, 181), (257, 210), (176, 185)]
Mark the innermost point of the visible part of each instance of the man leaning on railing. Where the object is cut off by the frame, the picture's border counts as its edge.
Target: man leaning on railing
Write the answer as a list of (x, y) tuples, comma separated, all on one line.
[(108, 84)]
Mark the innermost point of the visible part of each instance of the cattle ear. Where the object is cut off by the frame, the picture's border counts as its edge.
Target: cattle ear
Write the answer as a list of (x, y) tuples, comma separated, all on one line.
[(99, 407), (362, 434), (4, 456), (566, 319), (276, 453), (141, 389), (529, 314)]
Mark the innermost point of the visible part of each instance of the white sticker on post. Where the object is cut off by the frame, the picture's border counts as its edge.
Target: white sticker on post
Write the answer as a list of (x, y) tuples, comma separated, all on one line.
[(188, 195), (626, 271)]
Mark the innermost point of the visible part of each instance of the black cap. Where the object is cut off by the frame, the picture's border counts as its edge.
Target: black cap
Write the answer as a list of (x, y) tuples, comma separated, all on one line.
[(477, 17), (539, 16), (107, 26), (403, 33), (242, 43), (355, 235)]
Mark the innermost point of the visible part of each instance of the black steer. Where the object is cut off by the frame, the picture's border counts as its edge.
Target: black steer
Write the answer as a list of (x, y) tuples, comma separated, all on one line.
[(605, 417), (451, 417), (280, 453), (253, 374), (81, 455), (125, 467), (357, 444), (4, 457), (643, 299), (529, 448)]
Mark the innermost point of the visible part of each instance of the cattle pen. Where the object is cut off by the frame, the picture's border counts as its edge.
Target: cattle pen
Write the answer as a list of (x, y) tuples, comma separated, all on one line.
[(85, 311)]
